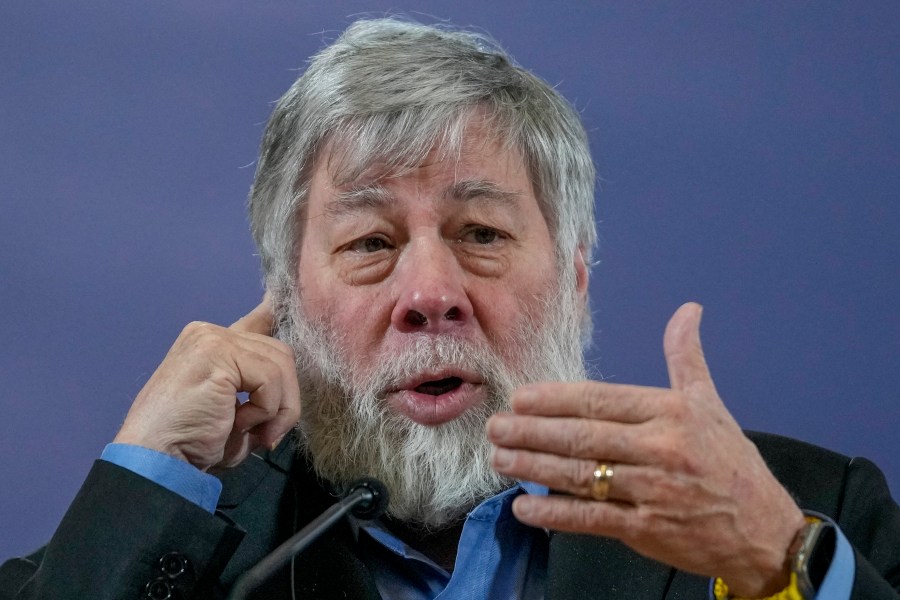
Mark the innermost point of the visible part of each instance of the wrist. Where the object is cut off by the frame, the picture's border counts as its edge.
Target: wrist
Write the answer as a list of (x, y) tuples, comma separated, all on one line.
[(770, 572), (133, 438), (808, 560)]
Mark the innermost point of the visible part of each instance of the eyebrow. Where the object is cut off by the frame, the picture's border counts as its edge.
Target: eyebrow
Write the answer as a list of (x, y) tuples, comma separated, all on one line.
[(481, 189), (359, 198)]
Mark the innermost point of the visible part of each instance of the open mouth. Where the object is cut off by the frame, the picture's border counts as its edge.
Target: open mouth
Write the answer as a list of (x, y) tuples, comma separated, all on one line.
[(439, 386), (432, 398)]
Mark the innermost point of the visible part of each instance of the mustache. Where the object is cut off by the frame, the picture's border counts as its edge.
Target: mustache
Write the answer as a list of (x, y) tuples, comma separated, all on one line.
[(430, 354)]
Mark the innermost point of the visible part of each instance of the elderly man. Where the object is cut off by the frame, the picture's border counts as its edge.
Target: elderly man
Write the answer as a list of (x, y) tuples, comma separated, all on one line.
[(424, 213)]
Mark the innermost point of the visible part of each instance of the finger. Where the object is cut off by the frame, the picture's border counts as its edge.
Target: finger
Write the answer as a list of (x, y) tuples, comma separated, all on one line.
[(271, 432), (274, 395), (288, 412), (589, 399), (579, 438), (573, 476), (632, 484), (684, 353), (237, 447), (265, 374), (566, 513), (259, 320), (202, 338), (248, 416), (254, 427)]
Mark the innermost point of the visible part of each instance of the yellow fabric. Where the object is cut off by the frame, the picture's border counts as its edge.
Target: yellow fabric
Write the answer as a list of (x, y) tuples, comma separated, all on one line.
[(791, 592)]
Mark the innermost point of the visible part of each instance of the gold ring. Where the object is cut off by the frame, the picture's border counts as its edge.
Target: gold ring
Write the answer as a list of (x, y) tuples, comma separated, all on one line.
[(603, 474)]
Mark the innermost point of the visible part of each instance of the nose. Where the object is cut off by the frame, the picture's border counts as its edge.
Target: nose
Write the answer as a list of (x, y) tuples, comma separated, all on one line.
[(432, 297)]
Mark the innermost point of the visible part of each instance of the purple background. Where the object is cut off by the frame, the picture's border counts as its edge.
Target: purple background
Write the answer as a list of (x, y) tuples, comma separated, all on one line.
[(749, 152)]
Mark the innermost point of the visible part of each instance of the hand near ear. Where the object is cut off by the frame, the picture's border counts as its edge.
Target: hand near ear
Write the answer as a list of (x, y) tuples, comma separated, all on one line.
[(189, 408)]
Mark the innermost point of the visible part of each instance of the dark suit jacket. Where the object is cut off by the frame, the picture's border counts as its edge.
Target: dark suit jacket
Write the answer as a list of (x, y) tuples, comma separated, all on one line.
[(119, 527)]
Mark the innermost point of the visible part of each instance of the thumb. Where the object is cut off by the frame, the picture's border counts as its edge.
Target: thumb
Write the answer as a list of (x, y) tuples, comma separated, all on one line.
[(684, 353), (259, 320)]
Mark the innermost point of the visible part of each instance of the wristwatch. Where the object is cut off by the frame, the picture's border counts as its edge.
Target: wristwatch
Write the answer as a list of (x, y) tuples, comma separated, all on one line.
[(811, 555)]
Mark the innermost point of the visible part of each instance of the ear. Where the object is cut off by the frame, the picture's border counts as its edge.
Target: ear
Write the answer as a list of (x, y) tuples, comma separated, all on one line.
[(581, 275)]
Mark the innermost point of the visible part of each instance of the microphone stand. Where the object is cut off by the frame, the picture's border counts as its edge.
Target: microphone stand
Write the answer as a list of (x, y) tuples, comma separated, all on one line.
[(367, 499)]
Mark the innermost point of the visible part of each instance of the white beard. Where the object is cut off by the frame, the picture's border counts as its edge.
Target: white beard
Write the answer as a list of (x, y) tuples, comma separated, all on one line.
[(435, 474)]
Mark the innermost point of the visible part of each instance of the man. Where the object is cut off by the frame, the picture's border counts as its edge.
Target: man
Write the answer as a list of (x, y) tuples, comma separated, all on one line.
[(424, 213)]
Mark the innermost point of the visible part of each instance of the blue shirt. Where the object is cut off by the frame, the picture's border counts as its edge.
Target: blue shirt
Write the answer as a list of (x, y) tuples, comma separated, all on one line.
[(498, 557)]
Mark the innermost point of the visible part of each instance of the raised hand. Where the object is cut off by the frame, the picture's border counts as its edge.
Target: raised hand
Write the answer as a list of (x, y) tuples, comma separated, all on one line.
[(688, 488), (189, 407)]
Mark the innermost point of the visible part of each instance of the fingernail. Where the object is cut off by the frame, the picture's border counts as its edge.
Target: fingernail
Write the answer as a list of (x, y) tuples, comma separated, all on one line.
[(503, 458), (277, 442)]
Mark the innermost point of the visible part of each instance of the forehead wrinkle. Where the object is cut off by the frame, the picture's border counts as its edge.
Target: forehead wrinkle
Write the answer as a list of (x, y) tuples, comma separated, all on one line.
[(356, 199)]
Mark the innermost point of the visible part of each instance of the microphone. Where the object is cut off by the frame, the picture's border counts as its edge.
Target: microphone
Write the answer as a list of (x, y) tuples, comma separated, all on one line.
[(367, 499)]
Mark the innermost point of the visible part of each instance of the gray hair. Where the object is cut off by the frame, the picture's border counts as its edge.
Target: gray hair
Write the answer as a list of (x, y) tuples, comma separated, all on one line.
[(391, 91)]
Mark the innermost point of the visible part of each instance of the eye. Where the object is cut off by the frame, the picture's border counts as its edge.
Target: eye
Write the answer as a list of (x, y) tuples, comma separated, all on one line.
[(368, 245), (480, 235)]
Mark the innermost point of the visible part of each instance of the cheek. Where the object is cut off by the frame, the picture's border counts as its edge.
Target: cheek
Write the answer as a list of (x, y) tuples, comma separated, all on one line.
[(357, 318), (514, 306)]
